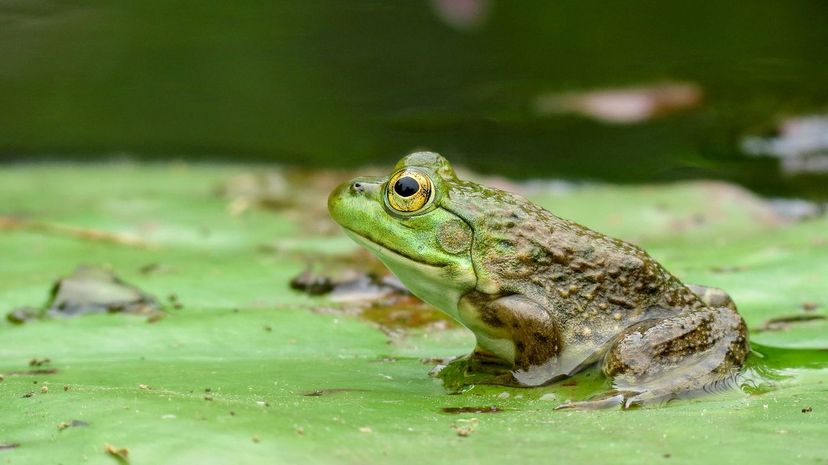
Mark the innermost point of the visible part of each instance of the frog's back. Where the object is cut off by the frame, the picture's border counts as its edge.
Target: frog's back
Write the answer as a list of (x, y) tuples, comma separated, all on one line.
[(583, 275)]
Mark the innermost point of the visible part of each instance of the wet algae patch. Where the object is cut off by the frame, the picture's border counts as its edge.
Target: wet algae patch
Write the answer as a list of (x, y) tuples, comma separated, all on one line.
[(144, 387), (90, 289)]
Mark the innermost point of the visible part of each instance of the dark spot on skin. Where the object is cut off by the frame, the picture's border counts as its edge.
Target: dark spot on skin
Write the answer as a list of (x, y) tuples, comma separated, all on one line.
[(326, 392), (489, 316), (9, 445), (542, 338), (569, 383), (808, 409), (456, 410), (620, 301)]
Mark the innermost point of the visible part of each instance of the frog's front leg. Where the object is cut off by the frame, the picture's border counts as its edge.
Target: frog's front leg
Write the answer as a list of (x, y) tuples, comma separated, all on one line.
[(657, 360), (515, 334)]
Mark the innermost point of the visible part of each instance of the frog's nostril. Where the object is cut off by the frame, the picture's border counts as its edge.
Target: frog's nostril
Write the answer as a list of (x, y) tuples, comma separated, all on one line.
[(357, 187)]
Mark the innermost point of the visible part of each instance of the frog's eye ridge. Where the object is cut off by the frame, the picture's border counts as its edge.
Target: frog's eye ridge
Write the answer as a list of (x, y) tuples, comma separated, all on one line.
[(408, 191)]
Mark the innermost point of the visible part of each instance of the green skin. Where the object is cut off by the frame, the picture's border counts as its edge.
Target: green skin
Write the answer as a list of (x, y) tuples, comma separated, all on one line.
[(545, 297)]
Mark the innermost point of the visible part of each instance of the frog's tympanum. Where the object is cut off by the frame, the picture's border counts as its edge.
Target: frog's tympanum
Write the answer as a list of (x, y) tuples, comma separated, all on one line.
[(545, 297)]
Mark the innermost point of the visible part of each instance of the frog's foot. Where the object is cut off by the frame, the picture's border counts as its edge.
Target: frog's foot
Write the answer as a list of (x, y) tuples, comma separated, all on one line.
[(681, 355), (476, 368), (616, 398), (609, 399)]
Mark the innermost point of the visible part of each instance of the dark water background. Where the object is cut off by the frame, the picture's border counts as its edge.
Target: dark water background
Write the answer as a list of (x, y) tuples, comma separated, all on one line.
[(332, 83)]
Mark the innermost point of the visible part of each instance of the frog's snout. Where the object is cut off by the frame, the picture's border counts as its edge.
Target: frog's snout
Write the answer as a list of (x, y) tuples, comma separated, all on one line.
[(336, 198), (351, 196)]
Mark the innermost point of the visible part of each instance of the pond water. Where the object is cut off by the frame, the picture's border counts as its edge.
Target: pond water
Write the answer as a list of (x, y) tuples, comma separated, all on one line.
[(628, 92)]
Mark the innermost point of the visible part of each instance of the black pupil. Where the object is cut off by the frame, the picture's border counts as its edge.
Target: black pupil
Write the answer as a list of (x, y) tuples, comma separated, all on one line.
[(406, 186)]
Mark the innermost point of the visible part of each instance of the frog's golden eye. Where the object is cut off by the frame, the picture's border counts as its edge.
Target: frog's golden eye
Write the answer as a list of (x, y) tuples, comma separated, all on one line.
[(408, 190)]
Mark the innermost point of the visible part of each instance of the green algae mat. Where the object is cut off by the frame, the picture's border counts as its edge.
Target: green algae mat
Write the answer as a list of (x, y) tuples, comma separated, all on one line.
[(232, 365)]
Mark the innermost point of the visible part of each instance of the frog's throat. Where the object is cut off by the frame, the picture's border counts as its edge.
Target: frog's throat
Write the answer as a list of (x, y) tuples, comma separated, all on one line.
[(434, 284)]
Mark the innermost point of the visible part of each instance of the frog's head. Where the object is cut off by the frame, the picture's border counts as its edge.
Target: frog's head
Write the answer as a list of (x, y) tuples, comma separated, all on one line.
[(401, 219)]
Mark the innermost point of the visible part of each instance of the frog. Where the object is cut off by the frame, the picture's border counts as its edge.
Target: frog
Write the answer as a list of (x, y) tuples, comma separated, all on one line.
[(545, 297)]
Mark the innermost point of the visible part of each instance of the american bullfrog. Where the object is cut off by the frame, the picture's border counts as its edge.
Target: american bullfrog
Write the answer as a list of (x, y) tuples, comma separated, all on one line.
[(544, 296)]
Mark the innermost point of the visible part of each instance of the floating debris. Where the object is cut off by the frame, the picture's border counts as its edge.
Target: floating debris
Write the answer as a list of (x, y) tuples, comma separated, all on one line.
[(358, 284), (727, 269), (326, 392), (22, 315), (121, 454), (90, 289), (623, 105), (456, 410), (71, 424), (9, 223), (39, 362), (311, 283), (800, 143), (349, 285), (156, 268), (464, 428), (35, 372), (809, 306), (784, 322)]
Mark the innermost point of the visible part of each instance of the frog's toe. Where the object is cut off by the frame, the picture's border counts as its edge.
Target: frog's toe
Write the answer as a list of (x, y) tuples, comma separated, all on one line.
[(596, 404), (610, 399)]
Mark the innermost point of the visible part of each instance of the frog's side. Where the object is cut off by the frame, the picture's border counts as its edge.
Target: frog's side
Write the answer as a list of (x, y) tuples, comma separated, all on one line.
[(545, 297)]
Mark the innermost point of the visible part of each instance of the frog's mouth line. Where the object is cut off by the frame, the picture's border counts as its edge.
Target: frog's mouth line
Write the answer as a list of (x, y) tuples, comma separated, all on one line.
[(380, 249)]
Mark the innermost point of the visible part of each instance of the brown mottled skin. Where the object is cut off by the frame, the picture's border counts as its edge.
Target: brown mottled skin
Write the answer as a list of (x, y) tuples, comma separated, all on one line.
[(563, 297)]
